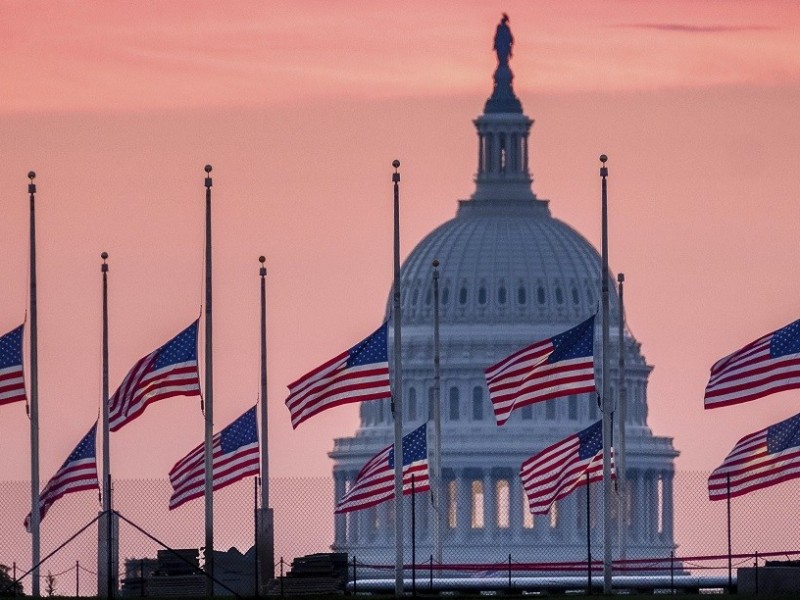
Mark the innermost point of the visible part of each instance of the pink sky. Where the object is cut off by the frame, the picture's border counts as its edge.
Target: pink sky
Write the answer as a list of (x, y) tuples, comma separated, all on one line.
[(301, 107)]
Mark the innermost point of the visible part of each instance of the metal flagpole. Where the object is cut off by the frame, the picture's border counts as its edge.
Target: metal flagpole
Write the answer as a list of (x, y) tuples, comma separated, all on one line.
[(622, 417), (104, 558), (730, 557), (209, 404), (397, 397), (588, 536), (34, 404), (437, 489), (266, 528), (608, 488)]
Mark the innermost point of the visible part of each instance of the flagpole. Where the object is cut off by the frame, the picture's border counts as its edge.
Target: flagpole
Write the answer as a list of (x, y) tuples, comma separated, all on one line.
[(608, 489), (104, 570), (588, 535), (266, 527), (209, 403), (730, 556), (437, 424), (397, 396), (34, 404), (622, 417)]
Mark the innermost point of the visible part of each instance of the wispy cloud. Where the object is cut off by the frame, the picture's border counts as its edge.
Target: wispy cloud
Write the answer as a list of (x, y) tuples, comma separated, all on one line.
[(683, 28)]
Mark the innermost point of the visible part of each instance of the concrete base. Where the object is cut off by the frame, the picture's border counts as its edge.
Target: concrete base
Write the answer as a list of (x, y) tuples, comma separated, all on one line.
[(265, 539), (768, 580)]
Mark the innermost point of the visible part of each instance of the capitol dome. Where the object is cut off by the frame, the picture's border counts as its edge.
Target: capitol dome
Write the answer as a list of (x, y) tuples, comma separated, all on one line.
[(509, 274)]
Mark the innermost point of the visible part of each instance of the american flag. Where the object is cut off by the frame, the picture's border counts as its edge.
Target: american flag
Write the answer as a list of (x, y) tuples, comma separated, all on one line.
[(358, 374), (12, 385), (768, 365), (169, 371), (78, 473), (234, 452), (558, 366), (759, 460), (375, 482), (557, 470)]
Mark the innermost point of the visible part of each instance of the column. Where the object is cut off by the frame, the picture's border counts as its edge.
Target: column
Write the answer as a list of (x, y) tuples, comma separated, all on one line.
[(481, 142), (525, 153), (515, 506), (641, 506), (496, 152), (353, 516), (489, 505), (463, 503), (339, 520), (667, 507)]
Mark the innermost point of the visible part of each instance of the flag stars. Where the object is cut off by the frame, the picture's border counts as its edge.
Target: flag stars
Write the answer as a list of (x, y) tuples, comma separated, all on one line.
[(11, 348), (784, 435), (786, 341), (372, 350), (181, 348)]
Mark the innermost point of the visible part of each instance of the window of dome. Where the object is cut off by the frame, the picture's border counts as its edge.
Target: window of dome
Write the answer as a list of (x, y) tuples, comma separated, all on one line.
[(593, 407), (482, 295), (445, 295), (521, 296), (412, 404), (429, 297), (573, 408), (575, 298), (550, 410), (559, 296), (454, 404), (502, 295), (540, 295), (462, 295), (415, 297), (527, 412), (430, 403), (477, 403)]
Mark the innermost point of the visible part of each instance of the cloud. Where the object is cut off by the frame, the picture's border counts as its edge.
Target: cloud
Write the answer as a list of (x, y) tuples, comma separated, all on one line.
[(682, 28)]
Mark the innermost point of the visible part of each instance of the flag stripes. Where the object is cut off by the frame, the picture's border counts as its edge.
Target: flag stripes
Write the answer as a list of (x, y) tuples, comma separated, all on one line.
[(766, 366), (12, 384), (235, 455)]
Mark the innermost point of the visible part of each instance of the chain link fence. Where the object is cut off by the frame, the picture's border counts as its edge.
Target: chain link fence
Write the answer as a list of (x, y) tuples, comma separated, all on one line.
[(762, 522)]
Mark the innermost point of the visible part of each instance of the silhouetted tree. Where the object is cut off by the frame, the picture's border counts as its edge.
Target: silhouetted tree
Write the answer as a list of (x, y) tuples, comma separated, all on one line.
[(7, 585)]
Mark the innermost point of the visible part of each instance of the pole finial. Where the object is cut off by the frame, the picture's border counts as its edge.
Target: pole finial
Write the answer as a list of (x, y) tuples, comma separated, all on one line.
[(31, 175), (396, 175), (104, 266), (263, 270), (396, 164), (603, 169), (262, 259), (207, 169), (435, 263)]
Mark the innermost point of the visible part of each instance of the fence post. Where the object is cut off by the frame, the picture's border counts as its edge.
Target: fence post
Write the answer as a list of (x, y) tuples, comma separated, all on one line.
[(355, 577), (755, 565), (77, 579), (509, 573), (14, 566), (281, 577), (141, 576), (672, 572), (430, 587)]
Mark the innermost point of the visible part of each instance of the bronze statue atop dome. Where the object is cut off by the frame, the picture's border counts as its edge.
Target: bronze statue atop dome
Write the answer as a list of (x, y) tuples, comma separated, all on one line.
[(503, 41)]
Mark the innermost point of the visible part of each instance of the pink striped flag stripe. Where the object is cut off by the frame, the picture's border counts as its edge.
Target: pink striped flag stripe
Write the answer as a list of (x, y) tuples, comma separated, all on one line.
[(356, 375), (559, 366), (759, 460), (766, 366), (235, 455), (556, 471), (78, 473)]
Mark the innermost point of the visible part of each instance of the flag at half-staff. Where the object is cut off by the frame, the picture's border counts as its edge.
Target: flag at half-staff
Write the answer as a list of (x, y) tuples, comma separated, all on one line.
[(558, 366), (356, 375), (759, 460), (559, 469), (375, 482), (12, 384), (169, 371), (766, 366), (78, 473), (235, 454)]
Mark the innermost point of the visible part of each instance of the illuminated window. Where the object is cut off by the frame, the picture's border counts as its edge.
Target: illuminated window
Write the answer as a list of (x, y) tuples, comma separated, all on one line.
[(476, 493)]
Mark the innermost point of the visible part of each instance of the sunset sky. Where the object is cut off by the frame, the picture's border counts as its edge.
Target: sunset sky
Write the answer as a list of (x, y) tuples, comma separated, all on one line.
[(301, 107)]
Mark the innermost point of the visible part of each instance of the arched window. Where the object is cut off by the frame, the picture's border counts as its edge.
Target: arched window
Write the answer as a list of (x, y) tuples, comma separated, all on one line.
[(454, 409), (521, 296), (559, 296), (478, 502), (540, 295), (477, 403), (482, 295), (527, 412), (501, 295), (575, 297), (593, 406), (446, 295), (462, 295)]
